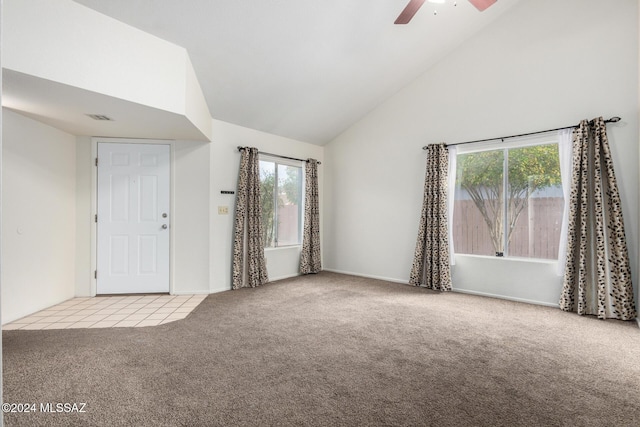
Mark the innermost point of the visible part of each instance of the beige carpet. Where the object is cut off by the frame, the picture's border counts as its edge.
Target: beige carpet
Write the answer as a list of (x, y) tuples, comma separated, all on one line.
[(335, 350)]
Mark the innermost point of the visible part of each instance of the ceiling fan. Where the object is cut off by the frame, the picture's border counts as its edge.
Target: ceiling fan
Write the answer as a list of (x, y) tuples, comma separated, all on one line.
[(413, 6)]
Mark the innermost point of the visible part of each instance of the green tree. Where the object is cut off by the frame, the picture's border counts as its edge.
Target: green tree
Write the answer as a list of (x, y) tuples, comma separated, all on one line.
[(288, 192), (482, 176), (292, 184), (267, 188)]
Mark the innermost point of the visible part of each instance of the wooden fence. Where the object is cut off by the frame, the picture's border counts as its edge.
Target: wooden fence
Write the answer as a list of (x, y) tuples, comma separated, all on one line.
[(471, 233), (288, 225)]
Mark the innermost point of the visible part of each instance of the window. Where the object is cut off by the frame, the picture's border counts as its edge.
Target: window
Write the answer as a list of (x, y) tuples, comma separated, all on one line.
[(523, 221), (281, 195)]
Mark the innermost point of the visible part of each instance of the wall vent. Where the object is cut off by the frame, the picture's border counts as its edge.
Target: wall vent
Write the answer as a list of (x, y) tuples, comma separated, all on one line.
[(100, 117)]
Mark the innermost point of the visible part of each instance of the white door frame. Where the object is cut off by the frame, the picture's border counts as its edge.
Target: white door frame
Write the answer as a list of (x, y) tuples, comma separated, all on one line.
[(94, 204)]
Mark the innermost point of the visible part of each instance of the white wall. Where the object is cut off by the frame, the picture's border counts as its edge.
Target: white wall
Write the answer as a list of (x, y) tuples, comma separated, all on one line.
[(84, 163), (190, 220), (225, 158), (544, 64), (190, 224), (202, 239), (38, 221), (65, 42), (80, 47)]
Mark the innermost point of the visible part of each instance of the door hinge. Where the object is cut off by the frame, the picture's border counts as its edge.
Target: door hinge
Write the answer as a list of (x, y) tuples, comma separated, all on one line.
[(95, 274), (96, 218), (96, 161)]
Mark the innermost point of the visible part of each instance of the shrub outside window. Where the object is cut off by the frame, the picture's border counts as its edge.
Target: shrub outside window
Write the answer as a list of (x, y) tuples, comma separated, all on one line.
[(281, 196), (509, 201)]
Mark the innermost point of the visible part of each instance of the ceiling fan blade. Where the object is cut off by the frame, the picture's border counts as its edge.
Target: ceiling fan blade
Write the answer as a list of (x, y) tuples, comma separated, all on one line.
[(408, 12), (482, 4)]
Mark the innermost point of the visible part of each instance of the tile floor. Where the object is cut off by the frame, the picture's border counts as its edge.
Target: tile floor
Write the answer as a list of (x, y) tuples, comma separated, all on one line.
[(111, 312)]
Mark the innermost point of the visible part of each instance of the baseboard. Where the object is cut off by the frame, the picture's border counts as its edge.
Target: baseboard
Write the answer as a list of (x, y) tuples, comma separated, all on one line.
[(462, 291), (198, 292), (368, 276), (508, 298), (271, 279), (286, 276)]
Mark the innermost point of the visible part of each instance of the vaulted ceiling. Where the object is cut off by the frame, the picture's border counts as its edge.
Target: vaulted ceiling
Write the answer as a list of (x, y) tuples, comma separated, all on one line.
[(303, 69)]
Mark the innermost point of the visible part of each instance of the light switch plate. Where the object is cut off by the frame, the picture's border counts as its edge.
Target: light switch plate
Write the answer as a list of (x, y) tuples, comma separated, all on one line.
[(223, 210)]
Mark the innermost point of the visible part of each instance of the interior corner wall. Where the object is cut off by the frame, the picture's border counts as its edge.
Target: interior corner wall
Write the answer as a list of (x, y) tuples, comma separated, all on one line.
[(38, 218), (543, 64), (225, 158)]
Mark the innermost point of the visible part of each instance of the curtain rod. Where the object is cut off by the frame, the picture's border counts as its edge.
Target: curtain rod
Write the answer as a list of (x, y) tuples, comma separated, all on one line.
[(611, 120), (278, 155)]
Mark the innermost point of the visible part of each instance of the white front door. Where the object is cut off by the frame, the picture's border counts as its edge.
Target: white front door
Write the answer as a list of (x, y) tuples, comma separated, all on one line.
[(133, 218)]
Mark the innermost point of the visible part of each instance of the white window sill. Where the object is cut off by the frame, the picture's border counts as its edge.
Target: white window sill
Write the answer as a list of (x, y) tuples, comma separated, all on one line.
[(282, 248), (507, 259)]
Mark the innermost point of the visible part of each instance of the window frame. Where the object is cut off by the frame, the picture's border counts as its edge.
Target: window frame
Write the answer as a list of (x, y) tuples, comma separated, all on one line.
[(276, 160), (505, 145)]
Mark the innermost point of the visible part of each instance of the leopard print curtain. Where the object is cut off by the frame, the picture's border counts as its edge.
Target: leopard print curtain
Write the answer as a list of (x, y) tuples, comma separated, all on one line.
[(597, 277), (310, 256), (431, 266), (248, 225)]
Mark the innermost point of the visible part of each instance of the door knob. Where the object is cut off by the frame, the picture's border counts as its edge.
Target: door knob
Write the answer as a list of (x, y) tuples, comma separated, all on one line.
[(164, 226)]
